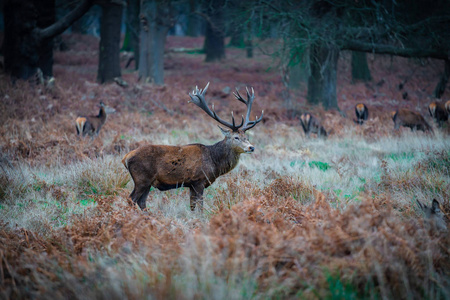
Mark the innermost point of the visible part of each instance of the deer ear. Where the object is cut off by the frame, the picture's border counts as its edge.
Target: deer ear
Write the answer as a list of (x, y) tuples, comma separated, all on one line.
[(225, 132), (435, 207)]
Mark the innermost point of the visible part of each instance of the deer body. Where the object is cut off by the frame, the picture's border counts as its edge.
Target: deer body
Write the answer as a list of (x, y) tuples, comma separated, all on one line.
[(91, 125), (447, 107), (438, 112), (195, 166), (362, 113), (311, 124), (434, 215), (411, 119)]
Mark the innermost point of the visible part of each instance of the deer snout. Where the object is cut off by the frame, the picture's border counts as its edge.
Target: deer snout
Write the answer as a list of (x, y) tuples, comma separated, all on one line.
[(250, 149)]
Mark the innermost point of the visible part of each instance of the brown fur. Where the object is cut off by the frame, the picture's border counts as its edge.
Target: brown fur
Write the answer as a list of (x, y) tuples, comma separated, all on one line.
[(438, 112), (91, 125), (447, 107), (434, 215), (362, 113), (195, 166), (411, 119), (311, 124)]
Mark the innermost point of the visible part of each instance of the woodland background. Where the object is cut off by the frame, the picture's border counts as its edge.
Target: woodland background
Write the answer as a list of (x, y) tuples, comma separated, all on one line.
[(332, 218)]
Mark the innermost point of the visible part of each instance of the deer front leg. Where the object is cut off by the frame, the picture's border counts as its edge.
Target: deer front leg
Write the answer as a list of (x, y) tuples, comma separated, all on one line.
[(197, 197)]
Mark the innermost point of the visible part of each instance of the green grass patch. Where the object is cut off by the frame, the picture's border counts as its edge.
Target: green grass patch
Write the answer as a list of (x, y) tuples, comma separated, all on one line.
[(322, 166), (87, 202), (408, 156)]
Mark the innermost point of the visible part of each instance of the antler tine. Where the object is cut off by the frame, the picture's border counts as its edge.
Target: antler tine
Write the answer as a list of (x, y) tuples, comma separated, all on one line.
[(247, 123), (198, 98)]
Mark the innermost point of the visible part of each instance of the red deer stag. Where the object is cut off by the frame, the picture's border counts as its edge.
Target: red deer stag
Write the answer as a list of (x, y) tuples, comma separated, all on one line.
[(91, 125), (362, 113), (195, 166), (411, 119), (438, 112), (312, 124)]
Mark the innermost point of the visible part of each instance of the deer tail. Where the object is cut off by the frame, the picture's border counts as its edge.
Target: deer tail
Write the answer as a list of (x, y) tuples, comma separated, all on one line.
[(80, 122), (127, 157)]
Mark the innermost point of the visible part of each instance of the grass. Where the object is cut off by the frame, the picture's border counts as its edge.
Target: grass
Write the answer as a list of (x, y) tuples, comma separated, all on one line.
[(298, 218), (86, 202)]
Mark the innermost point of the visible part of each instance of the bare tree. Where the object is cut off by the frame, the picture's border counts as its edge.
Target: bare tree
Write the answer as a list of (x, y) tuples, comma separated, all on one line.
[(29, 31), (157, 17), (109, 53), (215, 30), (408, 29)]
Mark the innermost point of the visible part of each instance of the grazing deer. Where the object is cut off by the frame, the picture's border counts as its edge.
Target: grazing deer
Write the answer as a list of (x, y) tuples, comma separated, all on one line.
[(195, 166), (438, 112), (311, 124), (447, 106), (362, 113), (411, 119), (434, 215), (91, 125)]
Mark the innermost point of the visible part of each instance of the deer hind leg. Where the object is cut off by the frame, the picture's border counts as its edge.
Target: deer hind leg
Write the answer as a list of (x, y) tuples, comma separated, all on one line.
[(139, 195), (196, 197)]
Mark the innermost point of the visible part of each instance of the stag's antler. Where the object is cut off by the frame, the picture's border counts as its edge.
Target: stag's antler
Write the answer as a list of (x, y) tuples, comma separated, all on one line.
[(247, 123), (198, 98)]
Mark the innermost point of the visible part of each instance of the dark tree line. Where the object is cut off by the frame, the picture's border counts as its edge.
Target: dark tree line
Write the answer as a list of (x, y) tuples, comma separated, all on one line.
[(30, 27), (313, 33), (318, 30)]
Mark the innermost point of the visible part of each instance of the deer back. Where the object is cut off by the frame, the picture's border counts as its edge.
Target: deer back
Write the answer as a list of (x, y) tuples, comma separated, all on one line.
[(411, 119), (167, 167)]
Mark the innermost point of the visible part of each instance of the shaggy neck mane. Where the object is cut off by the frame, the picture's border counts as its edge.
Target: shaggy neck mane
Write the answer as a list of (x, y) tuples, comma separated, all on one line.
[(223, 157), (102, 114)]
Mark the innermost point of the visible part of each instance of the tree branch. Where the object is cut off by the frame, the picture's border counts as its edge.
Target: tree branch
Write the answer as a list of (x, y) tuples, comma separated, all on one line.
[(394, 50), (64, 23)]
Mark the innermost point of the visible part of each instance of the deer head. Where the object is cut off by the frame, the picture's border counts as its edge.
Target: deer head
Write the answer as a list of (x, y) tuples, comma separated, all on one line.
[(236, 134)]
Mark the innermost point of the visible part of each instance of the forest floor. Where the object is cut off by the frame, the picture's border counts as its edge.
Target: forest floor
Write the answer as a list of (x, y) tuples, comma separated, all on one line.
[(299, 218)]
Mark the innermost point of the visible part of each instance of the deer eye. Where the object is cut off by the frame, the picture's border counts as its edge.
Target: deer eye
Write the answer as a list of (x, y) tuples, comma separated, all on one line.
[(236, 138)]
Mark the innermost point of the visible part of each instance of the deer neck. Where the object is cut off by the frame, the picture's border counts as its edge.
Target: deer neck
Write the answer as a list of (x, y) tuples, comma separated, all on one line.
[(224, 157), (102, 115)]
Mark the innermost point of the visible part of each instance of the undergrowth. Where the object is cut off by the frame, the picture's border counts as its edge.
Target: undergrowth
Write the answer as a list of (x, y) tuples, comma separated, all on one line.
[(298, 218)]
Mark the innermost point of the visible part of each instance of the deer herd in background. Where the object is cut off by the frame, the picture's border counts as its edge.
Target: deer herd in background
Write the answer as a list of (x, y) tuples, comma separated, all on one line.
[(197, 166), (439, 112)]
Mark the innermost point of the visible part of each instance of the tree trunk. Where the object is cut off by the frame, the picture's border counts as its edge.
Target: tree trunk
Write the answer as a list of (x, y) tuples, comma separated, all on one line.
[(322, 81), (131, 41), (29, 32), (109, 57), (237, 39), (440, 88), (215, 31), (20, 45), (46, 13), (360, 68), (194, 26), (153, 31), (249, 38)]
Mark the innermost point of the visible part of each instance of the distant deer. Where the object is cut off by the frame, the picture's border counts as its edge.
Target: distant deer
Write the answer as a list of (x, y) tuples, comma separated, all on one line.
[(434, 215), (447, 106), (195, 166), (311, 124), (91, 125), (411, 119), (438, 112), (362, 113)]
